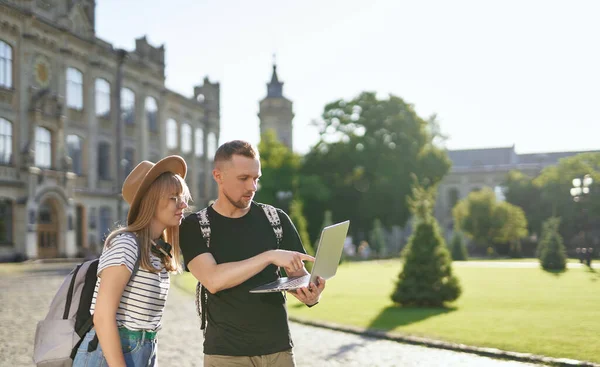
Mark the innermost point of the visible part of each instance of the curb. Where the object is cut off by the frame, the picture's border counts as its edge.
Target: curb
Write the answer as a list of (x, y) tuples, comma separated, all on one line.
[(433, 343)]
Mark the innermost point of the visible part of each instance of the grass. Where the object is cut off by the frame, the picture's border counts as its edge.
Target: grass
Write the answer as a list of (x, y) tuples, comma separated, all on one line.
[(518, 309)]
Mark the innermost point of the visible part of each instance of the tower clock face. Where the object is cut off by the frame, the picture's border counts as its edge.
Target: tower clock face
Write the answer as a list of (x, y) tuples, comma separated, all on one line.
[(41, 71)]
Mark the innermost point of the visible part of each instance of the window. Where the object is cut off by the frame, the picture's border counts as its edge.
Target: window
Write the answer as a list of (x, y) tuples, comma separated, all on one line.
[(105, 221), (211, 143), (171, 134), (103, 161), (186, 138), (151, 114), (201, 184), (74, 149), (5, 141), (452, 197), (129, 161), (5, 65), (128, 106), (6, 221), (43, 147), (74, 89), (199, 142), (102, 98)]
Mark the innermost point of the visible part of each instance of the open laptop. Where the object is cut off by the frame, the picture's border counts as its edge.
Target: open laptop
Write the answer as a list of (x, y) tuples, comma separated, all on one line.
[(327, 259)]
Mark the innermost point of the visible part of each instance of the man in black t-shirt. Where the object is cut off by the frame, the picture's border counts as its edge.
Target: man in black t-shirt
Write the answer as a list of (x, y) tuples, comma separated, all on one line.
[(244, 328)]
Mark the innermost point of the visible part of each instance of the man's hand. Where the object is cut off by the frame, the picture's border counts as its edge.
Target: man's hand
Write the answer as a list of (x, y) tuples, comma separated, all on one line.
[(311, 294), (291, 261)]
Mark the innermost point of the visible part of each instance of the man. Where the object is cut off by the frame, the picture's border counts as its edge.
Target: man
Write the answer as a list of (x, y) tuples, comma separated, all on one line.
[(244, 329)]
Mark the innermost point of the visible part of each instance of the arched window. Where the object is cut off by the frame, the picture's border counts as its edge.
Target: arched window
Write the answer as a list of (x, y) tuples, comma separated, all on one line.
[(5, 141), (128, 105), (74, 89), (43, 147), (211, 142), (5, 65), (171, 134), (74, 146), (6, 221), (199, 142), (186, 138), (105, 222), (102, 98), (151, 113), (103, 160)]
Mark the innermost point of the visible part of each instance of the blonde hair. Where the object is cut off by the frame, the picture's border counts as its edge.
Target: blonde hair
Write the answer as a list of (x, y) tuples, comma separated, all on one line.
[(165, 185)]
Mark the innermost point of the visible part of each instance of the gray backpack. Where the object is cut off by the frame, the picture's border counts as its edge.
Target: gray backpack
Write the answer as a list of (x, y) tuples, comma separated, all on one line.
[(58, 336), (201, 294)]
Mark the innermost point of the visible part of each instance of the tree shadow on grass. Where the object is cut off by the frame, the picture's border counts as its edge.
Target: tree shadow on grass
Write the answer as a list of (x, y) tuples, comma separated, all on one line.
[(595, 275), (393, 316), (556, 273)]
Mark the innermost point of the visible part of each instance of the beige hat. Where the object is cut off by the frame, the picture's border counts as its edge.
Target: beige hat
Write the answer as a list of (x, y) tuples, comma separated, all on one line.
[(143, 175)]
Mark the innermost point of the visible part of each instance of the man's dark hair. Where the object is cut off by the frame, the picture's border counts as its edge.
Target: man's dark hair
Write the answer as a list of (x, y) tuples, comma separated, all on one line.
[(235, 147)]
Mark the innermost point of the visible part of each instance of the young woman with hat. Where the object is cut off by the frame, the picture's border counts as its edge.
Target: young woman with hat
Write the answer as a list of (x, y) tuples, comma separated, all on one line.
[(127, 312)]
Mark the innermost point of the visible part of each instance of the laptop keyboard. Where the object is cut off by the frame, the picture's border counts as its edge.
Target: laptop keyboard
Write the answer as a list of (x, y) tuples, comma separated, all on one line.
[(298, 282)]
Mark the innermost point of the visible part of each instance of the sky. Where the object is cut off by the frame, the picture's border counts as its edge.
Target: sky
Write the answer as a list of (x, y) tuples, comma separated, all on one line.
[(496, 73)]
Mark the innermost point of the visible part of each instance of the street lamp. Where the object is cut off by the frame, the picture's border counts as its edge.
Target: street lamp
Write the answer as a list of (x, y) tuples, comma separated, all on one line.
[(580, 191), (581, 187)]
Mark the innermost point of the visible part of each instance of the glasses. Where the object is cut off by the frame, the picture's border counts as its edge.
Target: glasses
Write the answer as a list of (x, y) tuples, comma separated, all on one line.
[(179, 200)]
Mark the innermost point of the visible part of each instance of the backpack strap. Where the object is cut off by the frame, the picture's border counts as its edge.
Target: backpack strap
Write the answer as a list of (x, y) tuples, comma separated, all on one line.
[(273, 218), (90, 321), (201, 295)]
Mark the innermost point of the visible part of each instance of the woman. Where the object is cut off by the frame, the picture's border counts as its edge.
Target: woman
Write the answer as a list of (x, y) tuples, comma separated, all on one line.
[(127, 312)]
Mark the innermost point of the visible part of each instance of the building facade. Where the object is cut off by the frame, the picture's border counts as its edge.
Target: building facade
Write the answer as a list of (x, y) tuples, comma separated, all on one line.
[(473, 169), (276, 112), (76, 115)]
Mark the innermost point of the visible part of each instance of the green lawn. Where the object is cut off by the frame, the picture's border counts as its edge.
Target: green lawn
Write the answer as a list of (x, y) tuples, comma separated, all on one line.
[(517, 309)]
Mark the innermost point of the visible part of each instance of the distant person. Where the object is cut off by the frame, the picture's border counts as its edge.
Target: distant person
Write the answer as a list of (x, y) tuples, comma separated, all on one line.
[(589, 255)]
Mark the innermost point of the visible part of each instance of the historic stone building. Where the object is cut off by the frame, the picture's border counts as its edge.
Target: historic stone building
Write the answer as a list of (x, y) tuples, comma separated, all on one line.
[(275, 111), (76, 115), (473, 169)]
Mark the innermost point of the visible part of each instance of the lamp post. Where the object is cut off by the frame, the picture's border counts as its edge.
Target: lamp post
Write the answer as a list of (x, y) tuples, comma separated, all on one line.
[(121, 55), (580, 192)]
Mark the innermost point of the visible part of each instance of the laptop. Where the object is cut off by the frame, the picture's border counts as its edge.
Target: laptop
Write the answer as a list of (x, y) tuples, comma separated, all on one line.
[(326, 262)]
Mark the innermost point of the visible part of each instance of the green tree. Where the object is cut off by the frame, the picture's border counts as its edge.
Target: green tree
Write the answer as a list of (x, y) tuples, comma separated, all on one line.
[(458, 249), (377, 238), (301, 226), (552, 255), (370, 154), (280, 169), (426, 279), (488, 222)]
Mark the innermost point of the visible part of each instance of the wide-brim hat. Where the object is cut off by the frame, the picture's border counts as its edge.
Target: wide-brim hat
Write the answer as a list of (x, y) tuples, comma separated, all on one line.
[(143, 175)]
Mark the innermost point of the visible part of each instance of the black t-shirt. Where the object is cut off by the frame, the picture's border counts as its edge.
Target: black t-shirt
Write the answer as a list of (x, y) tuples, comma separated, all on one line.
[(240, 323)]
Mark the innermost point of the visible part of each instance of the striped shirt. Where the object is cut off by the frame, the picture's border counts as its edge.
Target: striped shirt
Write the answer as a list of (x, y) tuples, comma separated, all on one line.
[(143, 300)]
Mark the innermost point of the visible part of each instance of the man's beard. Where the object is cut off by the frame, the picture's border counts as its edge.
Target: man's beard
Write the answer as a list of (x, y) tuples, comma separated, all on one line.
[(238, 204)]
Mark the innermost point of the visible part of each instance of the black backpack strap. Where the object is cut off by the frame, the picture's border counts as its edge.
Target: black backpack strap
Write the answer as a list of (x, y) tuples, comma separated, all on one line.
[(87, 326), (275, 221), (201, 294)]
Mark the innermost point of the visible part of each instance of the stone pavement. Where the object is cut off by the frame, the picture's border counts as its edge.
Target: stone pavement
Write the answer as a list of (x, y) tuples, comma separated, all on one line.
[(25, 296)]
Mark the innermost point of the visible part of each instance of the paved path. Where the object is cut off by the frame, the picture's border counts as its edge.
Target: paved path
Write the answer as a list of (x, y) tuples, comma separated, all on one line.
[(24, 298)]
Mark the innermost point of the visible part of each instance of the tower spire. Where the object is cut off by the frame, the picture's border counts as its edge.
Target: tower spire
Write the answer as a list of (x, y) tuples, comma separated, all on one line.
[(275, 87)]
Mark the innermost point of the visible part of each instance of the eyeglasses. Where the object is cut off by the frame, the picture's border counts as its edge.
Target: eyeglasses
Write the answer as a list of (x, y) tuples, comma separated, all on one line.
[(179, 200)]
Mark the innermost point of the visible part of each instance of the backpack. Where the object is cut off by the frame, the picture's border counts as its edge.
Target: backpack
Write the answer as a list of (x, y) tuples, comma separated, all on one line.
[(59, 335), (201, 294)]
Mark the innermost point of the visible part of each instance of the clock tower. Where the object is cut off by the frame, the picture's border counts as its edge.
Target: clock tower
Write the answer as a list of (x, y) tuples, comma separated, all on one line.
[(275, 111)]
